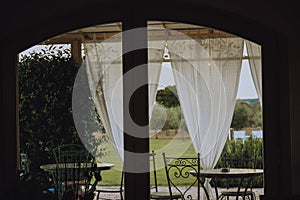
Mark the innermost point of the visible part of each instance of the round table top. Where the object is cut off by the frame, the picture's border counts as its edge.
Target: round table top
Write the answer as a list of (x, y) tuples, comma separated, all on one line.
[(233, 172), (53, 167)]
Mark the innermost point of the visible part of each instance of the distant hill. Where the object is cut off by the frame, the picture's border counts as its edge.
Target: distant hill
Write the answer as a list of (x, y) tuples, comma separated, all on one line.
[(249, 101)]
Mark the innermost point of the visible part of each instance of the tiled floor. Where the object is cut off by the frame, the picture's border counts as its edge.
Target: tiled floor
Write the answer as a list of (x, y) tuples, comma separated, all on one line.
[(258, 191)]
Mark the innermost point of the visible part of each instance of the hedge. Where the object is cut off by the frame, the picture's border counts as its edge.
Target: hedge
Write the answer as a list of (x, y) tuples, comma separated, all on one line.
[(46, 82), (250, 148)]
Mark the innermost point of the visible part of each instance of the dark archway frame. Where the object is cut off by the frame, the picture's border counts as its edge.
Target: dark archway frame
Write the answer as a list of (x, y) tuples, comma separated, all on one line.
[(277, 155)]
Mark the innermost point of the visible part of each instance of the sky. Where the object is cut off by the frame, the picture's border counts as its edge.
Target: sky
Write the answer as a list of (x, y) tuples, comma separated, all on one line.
[(246, 88)]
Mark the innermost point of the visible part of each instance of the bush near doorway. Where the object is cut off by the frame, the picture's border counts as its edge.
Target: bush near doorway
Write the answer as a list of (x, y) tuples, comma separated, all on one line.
[(46, 81)]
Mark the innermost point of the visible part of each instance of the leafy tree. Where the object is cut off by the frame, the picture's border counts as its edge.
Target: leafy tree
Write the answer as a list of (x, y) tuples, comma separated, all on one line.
[(88, 122), (257, 114), (168, 97), (246, 115), (174, 118), (242, 115), (158, 118), (45, 88)]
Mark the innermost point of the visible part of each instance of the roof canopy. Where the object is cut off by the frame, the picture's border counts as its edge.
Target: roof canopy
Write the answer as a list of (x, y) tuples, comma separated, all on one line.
[(104, 31)]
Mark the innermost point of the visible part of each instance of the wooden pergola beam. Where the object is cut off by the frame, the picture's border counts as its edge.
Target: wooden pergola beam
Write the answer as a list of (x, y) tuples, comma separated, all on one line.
[(68, 38), (76, 52), (77, 37)]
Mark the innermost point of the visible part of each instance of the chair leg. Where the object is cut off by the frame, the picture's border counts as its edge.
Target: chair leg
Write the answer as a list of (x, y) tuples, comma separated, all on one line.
[(253, 196), (121, 195), (98, 195), (221, 197)]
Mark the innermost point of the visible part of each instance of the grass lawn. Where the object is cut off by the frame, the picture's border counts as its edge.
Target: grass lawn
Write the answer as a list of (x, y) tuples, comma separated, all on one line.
[(172, 147)]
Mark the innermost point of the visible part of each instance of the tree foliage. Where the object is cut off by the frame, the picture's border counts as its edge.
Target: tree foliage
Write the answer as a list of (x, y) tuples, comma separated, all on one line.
[(159, 117), (246, 115), (174, 118), (168, 97), (241, 116), (164, 118), (251, 148), (257, 114), (46, 82)]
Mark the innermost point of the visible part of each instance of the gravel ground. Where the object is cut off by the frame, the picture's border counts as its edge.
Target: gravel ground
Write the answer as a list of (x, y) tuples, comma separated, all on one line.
[(258, 191)]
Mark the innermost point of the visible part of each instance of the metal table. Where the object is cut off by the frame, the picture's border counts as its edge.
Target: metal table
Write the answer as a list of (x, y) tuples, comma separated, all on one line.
[(232, 173), (61, 167), (53, 167)]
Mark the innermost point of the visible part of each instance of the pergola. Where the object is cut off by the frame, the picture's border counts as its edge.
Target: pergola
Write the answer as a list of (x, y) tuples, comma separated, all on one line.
[(221, 74), (105, 31)]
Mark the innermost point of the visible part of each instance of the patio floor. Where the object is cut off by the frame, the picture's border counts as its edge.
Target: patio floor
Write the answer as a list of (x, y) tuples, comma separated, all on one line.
[(258, 191)]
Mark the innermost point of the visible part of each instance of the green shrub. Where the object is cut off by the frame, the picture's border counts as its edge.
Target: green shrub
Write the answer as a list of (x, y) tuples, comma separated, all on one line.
[(241, 150), (46, 82)]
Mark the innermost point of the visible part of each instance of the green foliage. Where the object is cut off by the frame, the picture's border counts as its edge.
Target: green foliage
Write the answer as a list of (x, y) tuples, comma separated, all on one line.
[(165, 118), (246, 115), (237, 149), (85, 114), (173, 118), (257, 114), (251, 148), (159, 116), (168, 97), (241, 116), (45, 87)]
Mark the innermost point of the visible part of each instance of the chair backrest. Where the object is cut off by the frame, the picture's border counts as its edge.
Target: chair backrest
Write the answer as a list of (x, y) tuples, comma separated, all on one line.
[(152, 160), (178, 171), (73, 171), (71, 153), (73, 178)]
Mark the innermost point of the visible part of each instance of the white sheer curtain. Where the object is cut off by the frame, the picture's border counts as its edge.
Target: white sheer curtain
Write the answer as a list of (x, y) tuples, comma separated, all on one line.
[(207, 77), (155, 59), (254, 53), (104, 69)]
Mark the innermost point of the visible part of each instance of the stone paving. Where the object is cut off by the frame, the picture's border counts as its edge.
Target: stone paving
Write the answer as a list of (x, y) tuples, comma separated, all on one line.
[(115, 196)]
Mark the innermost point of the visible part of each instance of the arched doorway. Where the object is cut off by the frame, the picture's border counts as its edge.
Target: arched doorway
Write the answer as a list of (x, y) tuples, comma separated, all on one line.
[(192, 14)]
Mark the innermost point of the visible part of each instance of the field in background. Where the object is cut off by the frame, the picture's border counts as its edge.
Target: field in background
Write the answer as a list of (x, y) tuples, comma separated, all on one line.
[(175, 147), (239, 149)]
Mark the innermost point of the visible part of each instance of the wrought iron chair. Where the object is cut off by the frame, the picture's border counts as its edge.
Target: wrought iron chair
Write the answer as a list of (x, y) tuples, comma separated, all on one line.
[(113, 189), (178, 170), (152, 160), (155, 194), (72, 180), (120, 188), (238, 187), (74, 170), (71, 153)]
